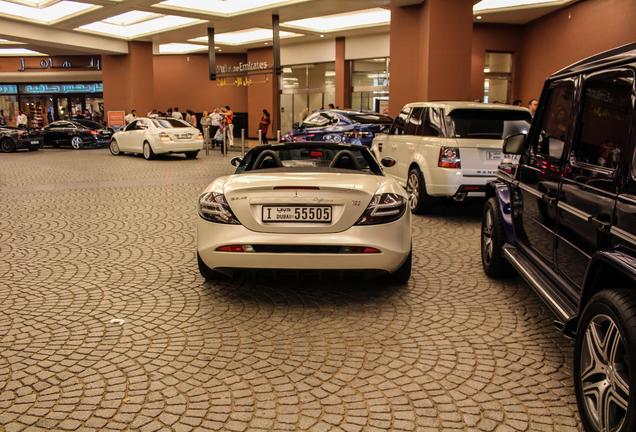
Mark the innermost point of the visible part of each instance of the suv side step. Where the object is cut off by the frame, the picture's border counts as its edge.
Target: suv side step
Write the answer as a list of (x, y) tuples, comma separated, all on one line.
[(564, 309)]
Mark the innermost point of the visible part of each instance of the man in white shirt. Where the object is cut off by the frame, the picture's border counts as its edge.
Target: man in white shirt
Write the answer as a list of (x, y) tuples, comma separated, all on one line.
[(130, 117), (153, 113), (22, 120), (176, 114)]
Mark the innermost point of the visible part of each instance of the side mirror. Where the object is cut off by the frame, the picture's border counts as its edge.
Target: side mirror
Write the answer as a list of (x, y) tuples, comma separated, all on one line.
[(388, 162), (236, 161), (514, 144)]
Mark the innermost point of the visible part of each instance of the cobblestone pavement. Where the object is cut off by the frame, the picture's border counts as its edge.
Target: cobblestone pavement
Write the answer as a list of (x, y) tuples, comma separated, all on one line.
[(86, 238)]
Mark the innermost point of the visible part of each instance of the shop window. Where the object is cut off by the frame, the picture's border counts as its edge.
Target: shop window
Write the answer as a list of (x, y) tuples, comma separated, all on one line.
[(370, 84), (605, 119), (497, 77)]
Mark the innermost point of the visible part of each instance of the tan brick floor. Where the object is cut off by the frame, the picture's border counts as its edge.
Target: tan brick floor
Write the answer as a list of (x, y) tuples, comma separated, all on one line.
[(86, 238)]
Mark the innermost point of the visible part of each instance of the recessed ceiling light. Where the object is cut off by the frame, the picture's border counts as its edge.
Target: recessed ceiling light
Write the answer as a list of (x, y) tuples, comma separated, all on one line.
[(181, 48), (479, 17), (19, 51), (223, 7), (44, 13), (151, 26), (503, 4), (322, 35), (241, 37), (343, 21), (265, 43)]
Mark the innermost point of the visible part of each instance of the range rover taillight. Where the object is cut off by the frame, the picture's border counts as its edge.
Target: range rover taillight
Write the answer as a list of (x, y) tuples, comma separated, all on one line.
[(449, 158)]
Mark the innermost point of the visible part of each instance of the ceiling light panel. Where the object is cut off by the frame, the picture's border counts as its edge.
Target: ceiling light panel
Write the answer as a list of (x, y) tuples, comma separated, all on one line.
[(486, 5), (181, 48), (130, 18), (224, 7), (343, 21), (18, 51), (247, 36), (151, 26), (45, 14)]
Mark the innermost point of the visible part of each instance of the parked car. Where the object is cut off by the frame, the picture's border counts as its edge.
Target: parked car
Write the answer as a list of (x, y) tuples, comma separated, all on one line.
[(12, 139), (76, 133), (448, 149), (153, 136), (566, 222), (305, 206), (340, 126)]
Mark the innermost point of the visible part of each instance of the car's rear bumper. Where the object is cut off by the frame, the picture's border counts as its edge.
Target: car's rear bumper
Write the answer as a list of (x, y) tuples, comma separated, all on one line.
[(393, 240), (450, 182), (160, 147)]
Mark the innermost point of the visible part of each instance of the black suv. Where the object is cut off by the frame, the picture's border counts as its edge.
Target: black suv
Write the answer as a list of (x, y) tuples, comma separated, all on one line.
[(565, 219)]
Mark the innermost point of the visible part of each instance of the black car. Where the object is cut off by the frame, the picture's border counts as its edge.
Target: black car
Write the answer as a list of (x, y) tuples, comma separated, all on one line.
[(566, 221), (76, 133), (340, 126), (12, 139)]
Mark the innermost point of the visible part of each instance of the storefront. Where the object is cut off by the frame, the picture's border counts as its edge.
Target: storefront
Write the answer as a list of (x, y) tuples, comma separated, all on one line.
[(47, 102)]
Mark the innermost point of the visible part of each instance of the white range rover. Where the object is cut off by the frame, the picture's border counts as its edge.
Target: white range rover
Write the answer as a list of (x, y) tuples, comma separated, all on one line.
[(448, 149)]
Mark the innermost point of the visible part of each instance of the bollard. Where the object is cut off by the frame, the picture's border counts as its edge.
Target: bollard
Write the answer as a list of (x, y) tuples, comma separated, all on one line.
[(242, 142), (206, 139), (224, 148), (278, 135), (260, 137)]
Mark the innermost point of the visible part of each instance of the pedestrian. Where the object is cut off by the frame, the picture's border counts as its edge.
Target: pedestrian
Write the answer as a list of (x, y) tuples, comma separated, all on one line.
[(187, 116), (130, 117), (229, 118), (153, 114), (517, 102), (216, 118), (3, 120), (22, 120), (331, 106), (176, 114), (532, 106), (193, 118), (263, 126)]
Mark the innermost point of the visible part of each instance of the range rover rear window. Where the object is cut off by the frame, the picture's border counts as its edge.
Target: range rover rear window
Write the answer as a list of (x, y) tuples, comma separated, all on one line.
[(487, 123)]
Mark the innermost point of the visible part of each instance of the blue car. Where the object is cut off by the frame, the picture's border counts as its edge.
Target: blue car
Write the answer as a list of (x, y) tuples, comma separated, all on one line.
[(340, 126)]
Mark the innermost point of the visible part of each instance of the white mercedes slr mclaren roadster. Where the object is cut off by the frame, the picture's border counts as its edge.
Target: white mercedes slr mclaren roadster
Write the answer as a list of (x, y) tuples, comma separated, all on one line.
[(305, 206)]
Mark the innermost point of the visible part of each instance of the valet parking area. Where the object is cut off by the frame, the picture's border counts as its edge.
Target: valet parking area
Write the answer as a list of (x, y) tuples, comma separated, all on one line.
[(105, 320)]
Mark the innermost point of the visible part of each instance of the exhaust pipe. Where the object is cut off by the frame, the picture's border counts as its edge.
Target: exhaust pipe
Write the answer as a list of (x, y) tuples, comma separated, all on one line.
[(459, 197)]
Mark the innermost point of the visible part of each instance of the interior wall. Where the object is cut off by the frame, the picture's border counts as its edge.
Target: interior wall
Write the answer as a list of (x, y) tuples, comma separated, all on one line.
[(260, 94), (183, 81), (570, 34)]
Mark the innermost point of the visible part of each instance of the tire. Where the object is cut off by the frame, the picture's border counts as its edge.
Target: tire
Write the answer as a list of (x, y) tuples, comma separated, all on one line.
[(114, 148), (207, 273), (34, 148), (493, 238), (192, 154), (402, 275), (147, 151), (77, 142), (419, 201), (7, 145), (608, 325)]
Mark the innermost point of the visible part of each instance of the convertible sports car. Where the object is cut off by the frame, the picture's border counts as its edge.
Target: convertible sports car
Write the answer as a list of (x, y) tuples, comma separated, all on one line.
[(305, 206), (340, 126)]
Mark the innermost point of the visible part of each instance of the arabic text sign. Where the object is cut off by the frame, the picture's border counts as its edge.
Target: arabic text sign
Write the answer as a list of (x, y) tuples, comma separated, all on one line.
[(62, 88), (8, 89)]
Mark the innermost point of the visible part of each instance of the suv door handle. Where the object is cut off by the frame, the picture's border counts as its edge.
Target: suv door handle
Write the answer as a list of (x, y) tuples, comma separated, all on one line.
[(550, 200), (601, 225)]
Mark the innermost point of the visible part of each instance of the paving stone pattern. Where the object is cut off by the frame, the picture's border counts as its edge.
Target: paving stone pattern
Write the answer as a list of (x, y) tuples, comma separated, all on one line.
[(86, 238)]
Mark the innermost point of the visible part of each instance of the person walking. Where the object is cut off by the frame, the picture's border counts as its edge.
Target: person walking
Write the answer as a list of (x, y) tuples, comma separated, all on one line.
[(216, 119), (229, 119), (22, 120), (130, 117), (192, 118), (532, 106), (176, 114), (263, 126)]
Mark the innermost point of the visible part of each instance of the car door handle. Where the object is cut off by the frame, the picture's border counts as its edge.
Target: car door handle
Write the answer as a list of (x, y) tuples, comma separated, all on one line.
[(601, 225), (550, 200)]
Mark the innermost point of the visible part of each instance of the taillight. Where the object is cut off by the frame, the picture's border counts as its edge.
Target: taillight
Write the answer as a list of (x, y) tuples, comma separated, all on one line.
[(235, 248), (449, 158), (384, 208), (93, 132), (164, 136), (214, 208)]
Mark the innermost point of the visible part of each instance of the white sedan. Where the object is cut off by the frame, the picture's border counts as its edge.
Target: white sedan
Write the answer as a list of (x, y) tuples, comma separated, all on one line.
[(151, 137), (305, 206)]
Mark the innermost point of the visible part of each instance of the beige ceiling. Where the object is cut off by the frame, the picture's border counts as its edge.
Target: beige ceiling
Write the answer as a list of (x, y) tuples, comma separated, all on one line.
[(63, 37)]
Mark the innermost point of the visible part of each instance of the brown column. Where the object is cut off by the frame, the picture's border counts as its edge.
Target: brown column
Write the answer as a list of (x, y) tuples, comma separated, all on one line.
[(430, 52), (343, 76), (262, 93), (129, 79)]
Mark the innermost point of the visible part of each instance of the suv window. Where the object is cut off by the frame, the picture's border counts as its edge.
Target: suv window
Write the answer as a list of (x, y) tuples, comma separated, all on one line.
[(415, 120), (432, 123), (605, 119), (554, 123), (398, 124), (486, 123)]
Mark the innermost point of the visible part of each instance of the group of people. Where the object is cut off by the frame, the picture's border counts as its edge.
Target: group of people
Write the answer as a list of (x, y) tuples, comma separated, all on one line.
[(532, 105)]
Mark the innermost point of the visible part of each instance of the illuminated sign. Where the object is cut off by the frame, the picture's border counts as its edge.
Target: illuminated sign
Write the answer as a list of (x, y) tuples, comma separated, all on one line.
[(8, 89), (242, 68), (64, 63), (62, 88)]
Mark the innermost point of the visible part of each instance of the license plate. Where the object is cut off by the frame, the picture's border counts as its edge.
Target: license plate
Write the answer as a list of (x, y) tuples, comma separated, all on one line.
[(35, 142), (306, 214), (493, 155)]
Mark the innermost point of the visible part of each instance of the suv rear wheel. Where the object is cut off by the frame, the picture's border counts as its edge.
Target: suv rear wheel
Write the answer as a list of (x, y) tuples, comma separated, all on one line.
[(419, 201), (604, 362), (492, 241)]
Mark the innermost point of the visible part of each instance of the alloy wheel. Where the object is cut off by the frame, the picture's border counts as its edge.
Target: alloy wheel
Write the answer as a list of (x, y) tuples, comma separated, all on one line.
[(76, 142), (146, 150), (114, 148), (486, 234), (413, 189), (604, 375), (6, 146)]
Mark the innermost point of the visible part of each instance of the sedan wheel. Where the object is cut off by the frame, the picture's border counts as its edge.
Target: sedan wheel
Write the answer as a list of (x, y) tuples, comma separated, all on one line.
[(114, 148), (76, 142), (413, 189), (419, 201), (7, 146), (148, 153)]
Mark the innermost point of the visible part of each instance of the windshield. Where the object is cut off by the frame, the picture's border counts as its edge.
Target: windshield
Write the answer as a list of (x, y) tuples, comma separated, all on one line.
[(487, 123), (310, 157), (168, 123), (369, 118)]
